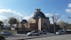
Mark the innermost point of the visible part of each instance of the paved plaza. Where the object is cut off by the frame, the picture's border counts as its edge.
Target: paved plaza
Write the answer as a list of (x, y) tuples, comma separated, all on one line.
[(58, 37), (49, 36)]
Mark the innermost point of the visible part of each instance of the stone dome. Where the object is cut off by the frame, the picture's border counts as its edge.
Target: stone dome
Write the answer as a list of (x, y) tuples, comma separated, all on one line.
[(24, 21), (38, 14)]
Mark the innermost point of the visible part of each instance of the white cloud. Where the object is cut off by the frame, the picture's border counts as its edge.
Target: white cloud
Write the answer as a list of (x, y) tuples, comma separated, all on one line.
[(2, 17), (6, 13), (51, 20), (68, 10), (69, 5), (9, 11), (50, 16), (27, 17)]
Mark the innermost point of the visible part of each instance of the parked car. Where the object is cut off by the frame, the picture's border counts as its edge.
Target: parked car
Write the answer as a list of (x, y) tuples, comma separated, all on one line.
[(42, 32), (33, 33), (5, 33), (61, 31)]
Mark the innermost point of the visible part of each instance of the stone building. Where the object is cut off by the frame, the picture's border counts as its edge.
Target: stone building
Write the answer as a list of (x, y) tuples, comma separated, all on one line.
[(38, 21)]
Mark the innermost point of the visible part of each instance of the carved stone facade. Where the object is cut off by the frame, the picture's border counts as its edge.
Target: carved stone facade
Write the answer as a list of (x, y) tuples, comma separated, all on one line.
[(38, 21)]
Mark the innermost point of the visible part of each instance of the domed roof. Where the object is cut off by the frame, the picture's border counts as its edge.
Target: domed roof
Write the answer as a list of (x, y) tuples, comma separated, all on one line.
[(24, 21), (38, 14)]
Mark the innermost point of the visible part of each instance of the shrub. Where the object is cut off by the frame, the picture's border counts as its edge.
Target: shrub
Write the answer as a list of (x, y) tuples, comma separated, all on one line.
[(2, 38)]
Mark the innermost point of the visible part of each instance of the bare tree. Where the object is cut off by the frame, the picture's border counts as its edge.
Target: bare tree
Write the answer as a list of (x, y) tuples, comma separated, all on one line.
[(1, 25), (63, 25), (55, 19)]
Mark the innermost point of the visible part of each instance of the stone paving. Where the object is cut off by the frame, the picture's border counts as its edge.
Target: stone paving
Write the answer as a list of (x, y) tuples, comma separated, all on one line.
[(58, 37), (49, 36), (29, 37)]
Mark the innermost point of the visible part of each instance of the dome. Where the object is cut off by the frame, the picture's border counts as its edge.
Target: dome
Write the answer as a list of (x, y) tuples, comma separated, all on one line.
[(38, 14), (24, 21)]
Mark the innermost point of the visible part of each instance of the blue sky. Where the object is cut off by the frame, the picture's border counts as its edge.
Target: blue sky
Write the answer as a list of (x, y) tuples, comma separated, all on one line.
[(26, 8)]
